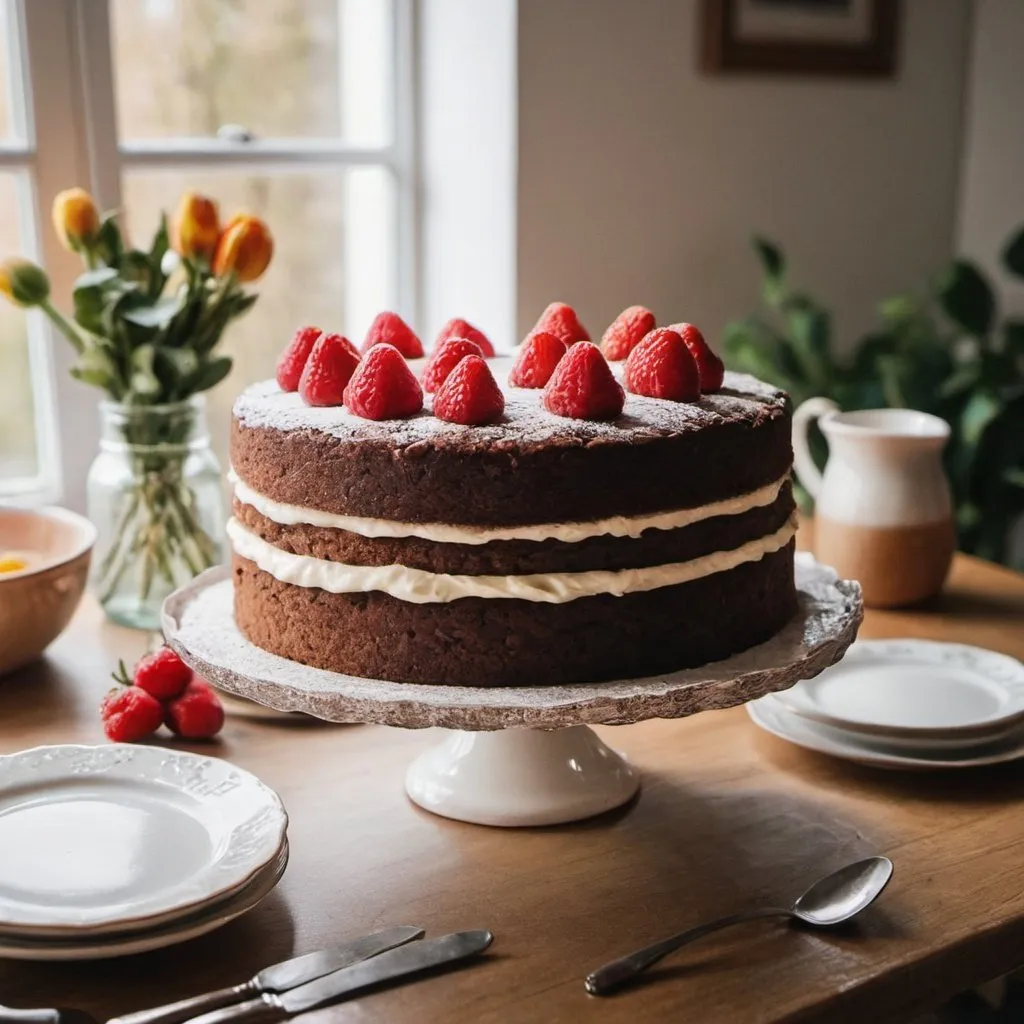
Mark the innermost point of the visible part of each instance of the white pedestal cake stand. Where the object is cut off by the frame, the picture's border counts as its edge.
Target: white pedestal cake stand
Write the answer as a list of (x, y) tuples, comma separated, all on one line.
[(521, 755)]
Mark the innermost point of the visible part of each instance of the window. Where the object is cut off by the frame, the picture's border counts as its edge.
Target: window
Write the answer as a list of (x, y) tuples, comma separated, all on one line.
[(296, 110)]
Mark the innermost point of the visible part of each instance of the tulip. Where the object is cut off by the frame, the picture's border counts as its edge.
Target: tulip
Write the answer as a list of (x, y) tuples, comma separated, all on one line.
[(23, 283), (196, 226), (244, 248), (76, 219)]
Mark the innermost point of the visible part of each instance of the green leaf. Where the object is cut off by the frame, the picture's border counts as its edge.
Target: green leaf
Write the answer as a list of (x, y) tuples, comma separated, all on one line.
[(1013, 254), (967, 298), (211, 373), (964, 378), (96, 278), (773, 266), (157, 251), (156, 316), (144, 380), (899, 308), (109, 241), (96, 367), (1014, 476), (1013, 335), (981, 409)]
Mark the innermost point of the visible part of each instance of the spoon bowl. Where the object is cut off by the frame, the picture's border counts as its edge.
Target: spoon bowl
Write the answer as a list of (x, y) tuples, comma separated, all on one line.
[(843, 894)]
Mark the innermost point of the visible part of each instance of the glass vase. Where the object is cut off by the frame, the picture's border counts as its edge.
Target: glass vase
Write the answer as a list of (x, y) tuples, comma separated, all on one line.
[(154, 493)]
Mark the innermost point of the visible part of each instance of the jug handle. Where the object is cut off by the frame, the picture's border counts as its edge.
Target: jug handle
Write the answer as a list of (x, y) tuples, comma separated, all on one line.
[(807, 472)]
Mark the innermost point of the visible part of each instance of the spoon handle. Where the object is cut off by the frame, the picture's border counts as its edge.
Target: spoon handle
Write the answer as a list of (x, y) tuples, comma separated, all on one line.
[(609, 977)]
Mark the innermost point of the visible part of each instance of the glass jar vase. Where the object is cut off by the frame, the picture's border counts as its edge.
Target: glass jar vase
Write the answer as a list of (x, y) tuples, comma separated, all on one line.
[(154, 494)]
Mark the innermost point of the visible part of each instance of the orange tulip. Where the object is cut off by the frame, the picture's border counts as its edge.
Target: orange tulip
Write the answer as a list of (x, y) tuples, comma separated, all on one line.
[(245, 247), (196, 226), (76, 219)]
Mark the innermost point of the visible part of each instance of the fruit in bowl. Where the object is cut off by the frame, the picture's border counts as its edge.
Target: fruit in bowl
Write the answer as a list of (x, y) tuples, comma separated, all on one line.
[(44, 563)]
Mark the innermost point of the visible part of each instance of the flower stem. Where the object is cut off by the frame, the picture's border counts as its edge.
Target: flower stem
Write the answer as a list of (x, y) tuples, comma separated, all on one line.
[(63, 325)]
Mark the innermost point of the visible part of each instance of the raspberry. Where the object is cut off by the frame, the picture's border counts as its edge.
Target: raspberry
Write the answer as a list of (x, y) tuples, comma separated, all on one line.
[(383, 387), (328, 369), (129, 713), (197, 714), (537, 360), (561, 321), (712, 369), (293, 358), (459, 328), (444, 359), (162, 674), (582, 386), (626, 331), (469, 395), (661, 367), (391, 329)]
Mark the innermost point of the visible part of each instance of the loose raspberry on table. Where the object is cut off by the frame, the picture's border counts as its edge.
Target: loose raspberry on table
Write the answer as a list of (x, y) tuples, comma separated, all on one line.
[(197, 714)]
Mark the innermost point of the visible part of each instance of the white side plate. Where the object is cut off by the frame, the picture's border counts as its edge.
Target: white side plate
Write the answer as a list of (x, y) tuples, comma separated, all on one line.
[(115, 836), (774, 717), (126, 944), (919, 688)]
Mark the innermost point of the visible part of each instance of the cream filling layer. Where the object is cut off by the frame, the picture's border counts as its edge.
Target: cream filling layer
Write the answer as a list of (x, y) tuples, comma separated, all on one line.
[(441, 533), (420, 587)]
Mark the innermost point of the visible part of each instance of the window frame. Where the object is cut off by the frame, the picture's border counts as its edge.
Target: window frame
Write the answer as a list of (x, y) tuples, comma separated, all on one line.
[(67, 67)]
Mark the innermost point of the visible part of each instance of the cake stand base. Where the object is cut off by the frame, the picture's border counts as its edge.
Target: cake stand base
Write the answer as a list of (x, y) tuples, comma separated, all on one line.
[(520, 777)]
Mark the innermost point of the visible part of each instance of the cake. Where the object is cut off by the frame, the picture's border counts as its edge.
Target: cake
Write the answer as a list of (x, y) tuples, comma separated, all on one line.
[(536, 550)]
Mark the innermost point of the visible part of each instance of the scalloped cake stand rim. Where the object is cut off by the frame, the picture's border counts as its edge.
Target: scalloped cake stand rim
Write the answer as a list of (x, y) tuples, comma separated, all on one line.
[(198, 622), (521, 756)]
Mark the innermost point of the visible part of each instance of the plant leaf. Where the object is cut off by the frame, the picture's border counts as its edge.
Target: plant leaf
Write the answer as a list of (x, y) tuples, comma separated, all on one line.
[(967, 298), (1013, 254), (157, 316), (109, 240), (210, 373), (773, 265), (144, 380), (981, 409)]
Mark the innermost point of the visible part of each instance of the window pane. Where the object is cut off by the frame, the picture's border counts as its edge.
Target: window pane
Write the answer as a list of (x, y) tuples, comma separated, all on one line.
[(278, 68), (18, 456), (12, 89), (333, 266)]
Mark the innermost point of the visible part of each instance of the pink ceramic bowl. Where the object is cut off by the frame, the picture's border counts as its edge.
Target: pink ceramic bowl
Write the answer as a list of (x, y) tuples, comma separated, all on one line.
[(37, 602)]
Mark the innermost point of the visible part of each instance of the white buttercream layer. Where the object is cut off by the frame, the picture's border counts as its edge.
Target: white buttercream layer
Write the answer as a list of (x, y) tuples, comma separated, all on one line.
[(441, 533), (420, 587)]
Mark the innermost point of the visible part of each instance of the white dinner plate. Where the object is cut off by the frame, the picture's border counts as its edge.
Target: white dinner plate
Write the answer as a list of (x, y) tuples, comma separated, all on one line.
[(18, 947), (774, 717), (917, 689), (124, 836)]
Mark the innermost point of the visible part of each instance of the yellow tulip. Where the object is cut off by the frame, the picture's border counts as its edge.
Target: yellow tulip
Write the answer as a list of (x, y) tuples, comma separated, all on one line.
[(23, 283), (76, 219), (196, 226), (245, 247)]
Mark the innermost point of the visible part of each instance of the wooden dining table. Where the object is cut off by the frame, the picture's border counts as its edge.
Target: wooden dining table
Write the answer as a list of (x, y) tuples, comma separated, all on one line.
[(727, 817)]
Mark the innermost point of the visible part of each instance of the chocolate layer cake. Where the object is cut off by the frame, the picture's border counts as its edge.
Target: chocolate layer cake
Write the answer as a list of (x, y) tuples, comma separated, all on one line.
[(539, 550)]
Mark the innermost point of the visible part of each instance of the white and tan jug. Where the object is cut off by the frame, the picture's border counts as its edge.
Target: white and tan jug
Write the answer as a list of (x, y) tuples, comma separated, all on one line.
[(883, 513)]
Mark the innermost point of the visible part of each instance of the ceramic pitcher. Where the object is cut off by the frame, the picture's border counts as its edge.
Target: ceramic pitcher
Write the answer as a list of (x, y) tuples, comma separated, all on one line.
[(883, 513)]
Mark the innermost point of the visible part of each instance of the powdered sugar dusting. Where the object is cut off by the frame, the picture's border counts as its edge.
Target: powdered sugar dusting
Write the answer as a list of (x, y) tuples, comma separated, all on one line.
[(526, 421)]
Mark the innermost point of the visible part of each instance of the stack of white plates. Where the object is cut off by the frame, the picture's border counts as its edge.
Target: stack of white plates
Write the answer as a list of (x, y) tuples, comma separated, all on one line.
[(915, 704), (119, 849)]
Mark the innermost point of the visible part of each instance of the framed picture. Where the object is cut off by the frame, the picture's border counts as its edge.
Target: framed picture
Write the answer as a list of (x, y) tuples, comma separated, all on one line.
[(815, 37)]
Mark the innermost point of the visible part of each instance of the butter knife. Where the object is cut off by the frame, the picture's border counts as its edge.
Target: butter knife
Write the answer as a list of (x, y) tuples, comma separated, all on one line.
[(397, 963), (279, 978)]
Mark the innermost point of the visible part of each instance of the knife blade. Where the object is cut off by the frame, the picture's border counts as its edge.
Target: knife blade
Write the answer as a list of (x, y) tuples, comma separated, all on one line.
[(280, 977), (396, 963)]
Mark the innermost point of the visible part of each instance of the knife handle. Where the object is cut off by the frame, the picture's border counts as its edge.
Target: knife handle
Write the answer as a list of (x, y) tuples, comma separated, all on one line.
[(264, 1010), (186, 1009)]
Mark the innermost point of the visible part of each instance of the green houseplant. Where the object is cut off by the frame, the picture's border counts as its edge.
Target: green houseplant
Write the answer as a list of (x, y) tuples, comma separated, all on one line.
[(945, 350)]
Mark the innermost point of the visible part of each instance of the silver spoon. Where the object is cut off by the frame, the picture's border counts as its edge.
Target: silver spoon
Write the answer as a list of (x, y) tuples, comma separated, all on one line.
[(830, 901)]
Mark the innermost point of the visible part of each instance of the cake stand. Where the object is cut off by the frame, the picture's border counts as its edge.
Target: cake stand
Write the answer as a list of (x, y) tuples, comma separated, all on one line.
[(519, 755)]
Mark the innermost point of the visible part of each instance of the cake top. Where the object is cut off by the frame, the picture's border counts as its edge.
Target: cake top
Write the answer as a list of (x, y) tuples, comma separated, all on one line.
[(526, 422)]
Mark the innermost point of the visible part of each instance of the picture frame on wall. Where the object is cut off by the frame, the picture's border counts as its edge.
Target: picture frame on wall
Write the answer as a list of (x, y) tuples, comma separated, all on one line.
[(812, 37)]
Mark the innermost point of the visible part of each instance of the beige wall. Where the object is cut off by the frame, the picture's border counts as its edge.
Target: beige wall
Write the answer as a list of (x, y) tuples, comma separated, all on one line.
[(640, 179), (992, 191)]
